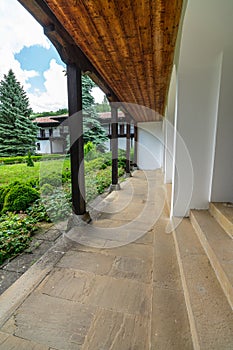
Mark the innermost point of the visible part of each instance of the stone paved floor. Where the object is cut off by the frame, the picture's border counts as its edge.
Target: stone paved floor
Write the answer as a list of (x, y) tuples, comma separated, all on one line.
[(100, 295)]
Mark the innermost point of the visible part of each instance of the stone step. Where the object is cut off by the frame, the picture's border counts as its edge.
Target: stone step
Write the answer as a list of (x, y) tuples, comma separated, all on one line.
[(170, 324), (210, 315), (223, 214), (218, 247)]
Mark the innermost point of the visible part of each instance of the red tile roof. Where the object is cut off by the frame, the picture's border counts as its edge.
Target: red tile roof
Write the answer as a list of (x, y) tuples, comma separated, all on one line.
[(45, 120)]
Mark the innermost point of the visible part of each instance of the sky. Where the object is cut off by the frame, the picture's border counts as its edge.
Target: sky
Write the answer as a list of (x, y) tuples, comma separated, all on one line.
[(37, 66)]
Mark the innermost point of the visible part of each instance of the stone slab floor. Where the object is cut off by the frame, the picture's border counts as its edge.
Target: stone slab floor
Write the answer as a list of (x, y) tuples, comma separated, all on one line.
[(117, 286)]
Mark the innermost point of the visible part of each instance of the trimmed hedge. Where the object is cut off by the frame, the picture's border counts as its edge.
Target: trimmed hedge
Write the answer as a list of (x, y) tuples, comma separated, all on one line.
[(23, 159)]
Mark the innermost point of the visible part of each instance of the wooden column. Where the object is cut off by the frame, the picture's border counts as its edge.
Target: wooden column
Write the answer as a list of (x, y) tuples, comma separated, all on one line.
[(114, 148), (76, 139), (128, 148), (135, 160)]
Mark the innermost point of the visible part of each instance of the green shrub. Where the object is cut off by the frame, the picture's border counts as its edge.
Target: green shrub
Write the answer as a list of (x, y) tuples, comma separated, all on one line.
[(4, 191), (103, 179), (2, 196), (29, 160), (12, 160), (38, 212), (15, 233), (19, 197), (23, 159), (94, 164), (51, 179), (66, 175), (47, 189), (91, 186), (33, 183), (88, 147), (58, 205)]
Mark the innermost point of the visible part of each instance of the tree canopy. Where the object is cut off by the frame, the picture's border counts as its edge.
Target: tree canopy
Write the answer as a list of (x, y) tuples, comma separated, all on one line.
[(17, 131)]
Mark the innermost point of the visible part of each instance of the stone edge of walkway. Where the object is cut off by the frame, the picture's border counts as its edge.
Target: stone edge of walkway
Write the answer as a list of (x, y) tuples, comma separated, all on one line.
[(15, 295)]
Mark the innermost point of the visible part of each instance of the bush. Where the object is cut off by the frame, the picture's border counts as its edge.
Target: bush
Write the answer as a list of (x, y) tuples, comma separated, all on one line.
[(29, 160), (91, 187), (58, 205), (51, 179), (15, 233), (38, 212), (4, 191), (94, 164), (33, 183), (12, 160), (23, 159), (47, 189), (19, 197), (2, 196), (66, 175)]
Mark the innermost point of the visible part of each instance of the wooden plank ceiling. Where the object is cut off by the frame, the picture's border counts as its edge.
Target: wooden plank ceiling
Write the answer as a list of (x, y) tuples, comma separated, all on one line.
[(130, 43)]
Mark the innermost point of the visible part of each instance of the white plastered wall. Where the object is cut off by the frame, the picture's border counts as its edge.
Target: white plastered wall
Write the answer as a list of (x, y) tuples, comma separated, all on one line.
[(57, 146), (222, 183), (168, 125), (44, 147), (150, 145), (200, 111)]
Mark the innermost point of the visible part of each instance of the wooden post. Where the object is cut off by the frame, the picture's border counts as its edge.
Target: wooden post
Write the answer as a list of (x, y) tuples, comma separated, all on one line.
[(128, 148), (135, 160), (76, 139), (114, 148)]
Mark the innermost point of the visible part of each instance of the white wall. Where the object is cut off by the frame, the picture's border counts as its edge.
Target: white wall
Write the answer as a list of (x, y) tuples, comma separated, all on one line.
[(57, 146), (199, 79), (44, 146), (169, 129), (222, 185), (150, 145)]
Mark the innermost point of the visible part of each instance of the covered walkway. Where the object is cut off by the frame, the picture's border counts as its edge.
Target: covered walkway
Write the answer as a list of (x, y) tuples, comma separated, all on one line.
[(119, 290)]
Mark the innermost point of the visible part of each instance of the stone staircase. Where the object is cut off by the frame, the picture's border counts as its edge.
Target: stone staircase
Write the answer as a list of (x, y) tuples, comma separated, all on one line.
[(204, 248)]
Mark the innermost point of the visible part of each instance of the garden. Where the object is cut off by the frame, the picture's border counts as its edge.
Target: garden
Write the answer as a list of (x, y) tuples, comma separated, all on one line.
[(36, 188), (41, 192)]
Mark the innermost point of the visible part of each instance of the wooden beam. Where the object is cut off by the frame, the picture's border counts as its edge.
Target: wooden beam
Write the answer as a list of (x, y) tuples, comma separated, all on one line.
[(69, 51), (135, 159), (75, 121), (114, 144), (128, 148)]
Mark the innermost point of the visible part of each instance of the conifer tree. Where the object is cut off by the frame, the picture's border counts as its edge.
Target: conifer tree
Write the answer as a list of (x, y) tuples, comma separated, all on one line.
[(93, 131), (17, 131)]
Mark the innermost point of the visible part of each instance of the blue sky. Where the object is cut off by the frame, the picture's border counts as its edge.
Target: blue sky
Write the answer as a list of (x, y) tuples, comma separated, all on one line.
[(37, 58), (35, 62)]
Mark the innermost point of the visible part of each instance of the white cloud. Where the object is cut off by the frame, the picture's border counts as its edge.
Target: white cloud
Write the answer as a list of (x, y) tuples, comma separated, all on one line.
[(17, 30), (27, 32), (55, 96)]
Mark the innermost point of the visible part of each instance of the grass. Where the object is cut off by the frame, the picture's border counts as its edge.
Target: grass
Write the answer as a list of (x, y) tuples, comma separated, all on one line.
[(21, 172)]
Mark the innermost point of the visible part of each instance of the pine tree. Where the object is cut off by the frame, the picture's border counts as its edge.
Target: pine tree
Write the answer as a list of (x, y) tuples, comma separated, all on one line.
[(17, 131), (93, 131)]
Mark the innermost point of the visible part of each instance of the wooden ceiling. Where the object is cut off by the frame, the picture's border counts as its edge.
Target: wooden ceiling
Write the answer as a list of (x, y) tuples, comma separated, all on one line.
[(127, 46)]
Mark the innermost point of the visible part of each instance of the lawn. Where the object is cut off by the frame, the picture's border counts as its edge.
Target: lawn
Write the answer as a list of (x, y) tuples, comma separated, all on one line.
[(23, 173)]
